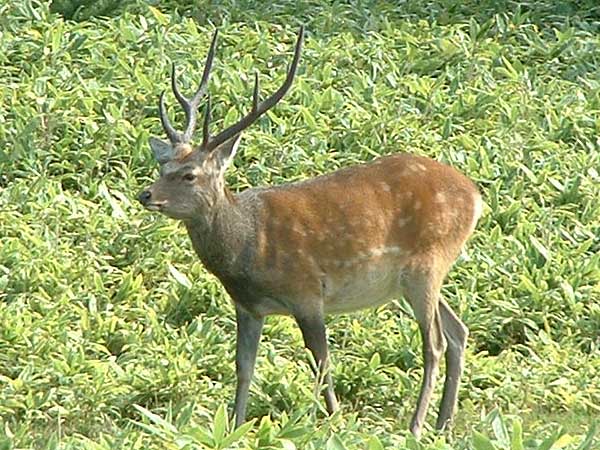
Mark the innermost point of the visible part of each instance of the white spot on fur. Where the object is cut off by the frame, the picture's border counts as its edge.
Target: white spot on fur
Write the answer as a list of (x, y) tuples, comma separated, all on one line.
[(417, 205), (417, 167), (440, 197), (367, 257), (298, 230), (385, 187)]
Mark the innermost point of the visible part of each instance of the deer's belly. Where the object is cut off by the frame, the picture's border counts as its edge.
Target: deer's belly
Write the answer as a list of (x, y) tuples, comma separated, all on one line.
[(367, 288)]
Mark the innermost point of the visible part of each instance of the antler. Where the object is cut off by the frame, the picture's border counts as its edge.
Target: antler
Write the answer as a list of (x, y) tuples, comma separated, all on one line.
[(258, 108), (190, 106)]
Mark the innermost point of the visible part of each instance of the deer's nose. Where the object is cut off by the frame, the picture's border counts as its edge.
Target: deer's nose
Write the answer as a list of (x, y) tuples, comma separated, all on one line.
[(144, 197)]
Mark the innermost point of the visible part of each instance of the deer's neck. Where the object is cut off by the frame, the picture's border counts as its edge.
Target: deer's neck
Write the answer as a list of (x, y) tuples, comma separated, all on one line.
[(223, 239)]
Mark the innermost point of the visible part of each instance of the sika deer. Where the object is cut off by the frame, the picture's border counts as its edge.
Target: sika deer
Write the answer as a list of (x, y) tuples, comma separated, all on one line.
[(354, 238)]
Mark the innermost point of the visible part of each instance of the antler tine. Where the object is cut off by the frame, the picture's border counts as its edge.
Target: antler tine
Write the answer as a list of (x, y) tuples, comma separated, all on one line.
[(256, 94), (180, 98), (193, 103), (172, 134), (259, 108), (207, 68), (205, 129), (190, 106)]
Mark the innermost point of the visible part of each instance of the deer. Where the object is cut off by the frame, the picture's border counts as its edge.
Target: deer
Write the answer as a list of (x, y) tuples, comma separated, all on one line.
[(358, 237)]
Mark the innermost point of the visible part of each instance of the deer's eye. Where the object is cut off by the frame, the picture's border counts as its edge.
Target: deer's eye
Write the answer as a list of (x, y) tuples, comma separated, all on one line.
[(189, 177)]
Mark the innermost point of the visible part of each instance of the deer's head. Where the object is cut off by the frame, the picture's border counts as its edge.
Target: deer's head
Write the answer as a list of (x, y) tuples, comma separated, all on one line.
[(192, 177)]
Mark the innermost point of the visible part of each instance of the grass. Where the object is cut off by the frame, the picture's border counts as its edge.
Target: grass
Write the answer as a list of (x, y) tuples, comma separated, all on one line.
[(112, 334)]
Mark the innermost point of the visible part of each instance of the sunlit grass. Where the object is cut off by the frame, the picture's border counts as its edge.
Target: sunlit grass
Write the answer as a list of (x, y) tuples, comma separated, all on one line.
[(101, 346)]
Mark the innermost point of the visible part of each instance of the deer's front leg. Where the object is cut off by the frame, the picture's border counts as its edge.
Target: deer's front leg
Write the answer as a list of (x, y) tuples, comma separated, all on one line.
[(315, 339), (249, 329)]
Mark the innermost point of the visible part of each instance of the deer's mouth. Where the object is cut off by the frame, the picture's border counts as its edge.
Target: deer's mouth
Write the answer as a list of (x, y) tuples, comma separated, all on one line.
[(155, 206)]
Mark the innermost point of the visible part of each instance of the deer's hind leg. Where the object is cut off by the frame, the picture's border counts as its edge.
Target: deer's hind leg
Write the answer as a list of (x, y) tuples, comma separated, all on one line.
[(456, 334), (422, 291)]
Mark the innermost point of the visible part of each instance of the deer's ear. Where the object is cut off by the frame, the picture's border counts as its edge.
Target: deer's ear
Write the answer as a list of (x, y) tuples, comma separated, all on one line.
[(163, 151), (224, 153)]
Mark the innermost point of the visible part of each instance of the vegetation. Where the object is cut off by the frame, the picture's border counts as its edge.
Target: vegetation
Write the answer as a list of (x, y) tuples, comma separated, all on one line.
[(112, 334)]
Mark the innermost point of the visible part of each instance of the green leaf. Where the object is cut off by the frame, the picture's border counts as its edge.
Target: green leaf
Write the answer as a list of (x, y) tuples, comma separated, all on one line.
[(375, 361), (510, 70), (237, 434), (549, 442), (481, 442), (117, 211), (220, 424), (201, 436), (286, 444), (587, 443), (156, 419), (308, 118), (412, 443), (500, 431), (563, 441), (375, 443), (334, 443), (183, 441), (542, 250), (179, 277), (516, 442)]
